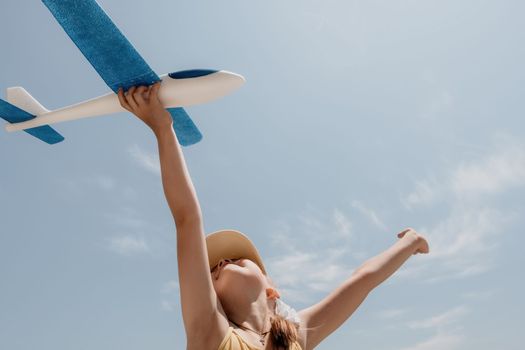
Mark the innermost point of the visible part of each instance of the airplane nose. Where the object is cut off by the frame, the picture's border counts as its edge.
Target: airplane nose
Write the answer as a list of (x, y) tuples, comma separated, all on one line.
[(189, 88), (234, 80)]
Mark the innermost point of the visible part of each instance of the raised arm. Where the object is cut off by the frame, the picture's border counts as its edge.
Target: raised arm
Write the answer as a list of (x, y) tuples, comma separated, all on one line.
[(178, 188), (326, 316), (198, 298)]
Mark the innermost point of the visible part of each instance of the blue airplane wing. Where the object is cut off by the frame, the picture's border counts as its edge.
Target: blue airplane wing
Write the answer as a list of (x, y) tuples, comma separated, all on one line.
[(14, 114), (111, 54), (184, 122)]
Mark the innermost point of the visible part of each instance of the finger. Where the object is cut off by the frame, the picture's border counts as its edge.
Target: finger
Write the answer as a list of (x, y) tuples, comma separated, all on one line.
[(129, 97), (122, 99), (138, 95), (402, 233), (148, 93), (155, 90)]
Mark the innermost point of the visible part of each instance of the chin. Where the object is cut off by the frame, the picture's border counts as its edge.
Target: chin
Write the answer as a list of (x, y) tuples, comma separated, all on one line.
[(238, 277)]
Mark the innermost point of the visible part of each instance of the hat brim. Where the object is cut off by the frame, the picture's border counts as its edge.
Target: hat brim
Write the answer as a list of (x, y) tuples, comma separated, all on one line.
[(231, 244)]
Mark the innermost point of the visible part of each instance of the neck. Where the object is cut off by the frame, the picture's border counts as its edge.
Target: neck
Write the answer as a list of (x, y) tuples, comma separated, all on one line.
[(253, 314)]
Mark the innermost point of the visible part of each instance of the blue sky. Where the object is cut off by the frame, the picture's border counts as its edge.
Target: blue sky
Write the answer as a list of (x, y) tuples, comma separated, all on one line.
[(358, 119)]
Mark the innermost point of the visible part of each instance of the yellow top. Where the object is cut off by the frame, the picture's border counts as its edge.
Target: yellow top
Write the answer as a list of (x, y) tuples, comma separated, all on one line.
[(233, 341)]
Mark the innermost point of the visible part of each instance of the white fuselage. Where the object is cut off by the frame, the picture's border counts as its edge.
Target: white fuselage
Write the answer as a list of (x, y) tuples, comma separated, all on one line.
[(172, 93)]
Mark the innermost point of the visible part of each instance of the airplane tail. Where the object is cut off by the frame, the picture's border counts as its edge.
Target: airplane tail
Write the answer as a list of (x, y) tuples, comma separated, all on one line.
[(19, 97), (21, 106)]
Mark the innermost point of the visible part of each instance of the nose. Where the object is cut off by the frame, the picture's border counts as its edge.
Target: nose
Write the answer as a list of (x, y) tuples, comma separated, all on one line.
[(224, 262), (220, 265)]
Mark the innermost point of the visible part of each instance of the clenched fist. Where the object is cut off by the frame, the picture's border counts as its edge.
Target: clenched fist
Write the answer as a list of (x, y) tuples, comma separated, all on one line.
[(420, 242)]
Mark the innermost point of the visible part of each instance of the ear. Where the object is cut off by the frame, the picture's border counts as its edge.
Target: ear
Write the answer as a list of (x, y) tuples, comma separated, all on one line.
[(272, 286), (272, 293)]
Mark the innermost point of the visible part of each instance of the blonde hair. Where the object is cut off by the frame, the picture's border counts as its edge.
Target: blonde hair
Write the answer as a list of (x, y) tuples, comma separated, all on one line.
[(283, 333)]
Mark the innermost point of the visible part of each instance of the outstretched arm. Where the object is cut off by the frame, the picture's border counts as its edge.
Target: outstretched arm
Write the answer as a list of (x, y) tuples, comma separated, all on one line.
[(178, 187), (382, 266), (326, 316), (198, 298)]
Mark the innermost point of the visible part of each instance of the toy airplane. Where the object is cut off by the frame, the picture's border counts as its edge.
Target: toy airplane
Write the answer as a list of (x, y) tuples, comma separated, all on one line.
[(119, 65)]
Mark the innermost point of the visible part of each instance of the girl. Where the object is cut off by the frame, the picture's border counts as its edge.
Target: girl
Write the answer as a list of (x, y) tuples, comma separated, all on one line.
[(228, 301)]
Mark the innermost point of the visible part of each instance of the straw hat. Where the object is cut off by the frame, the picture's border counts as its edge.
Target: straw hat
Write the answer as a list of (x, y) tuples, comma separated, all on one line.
[(231, 244)]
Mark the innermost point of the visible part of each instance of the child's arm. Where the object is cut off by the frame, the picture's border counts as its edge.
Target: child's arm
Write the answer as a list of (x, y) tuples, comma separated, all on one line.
[(382, 266), (326, 316), (198, 297), (178, 187)]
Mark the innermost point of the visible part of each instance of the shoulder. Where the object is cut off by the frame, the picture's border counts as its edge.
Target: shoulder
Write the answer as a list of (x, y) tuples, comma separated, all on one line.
[(211, 334)]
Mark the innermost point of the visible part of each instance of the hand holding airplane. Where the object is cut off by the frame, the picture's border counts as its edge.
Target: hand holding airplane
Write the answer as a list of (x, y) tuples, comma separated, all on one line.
[(120, 66), (145, 104)]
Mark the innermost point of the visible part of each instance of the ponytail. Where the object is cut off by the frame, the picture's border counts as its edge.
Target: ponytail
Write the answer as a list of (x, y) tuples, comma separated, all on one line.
[(284, 323), (283, 333)]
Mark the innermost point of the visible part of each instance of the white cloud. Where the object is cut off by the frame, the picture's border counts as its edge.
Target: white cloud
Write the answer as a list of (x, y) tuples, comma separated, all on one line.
[(314, 261), (128, 245), (441, 323), (481, 295), (441, 341), (148, 161), (311, 223), (462, 244), (425, 193), (167, 305), (494, 174), (319, 251), (369, 214), (463, 240), (299, 275), (314, 229), (343, 225), (127, 217), (83, 183), (441, 320), (391, 313), (490, 174), (170, 287), (322, 279), (132, 234)]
